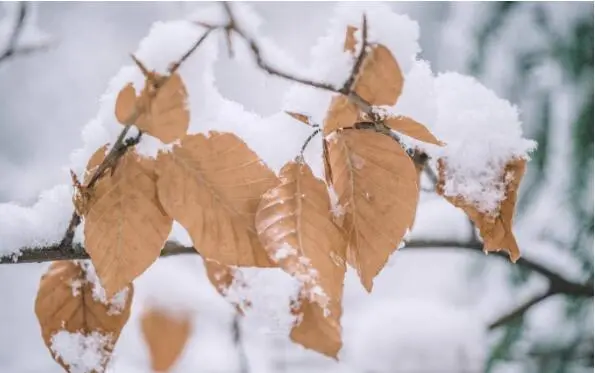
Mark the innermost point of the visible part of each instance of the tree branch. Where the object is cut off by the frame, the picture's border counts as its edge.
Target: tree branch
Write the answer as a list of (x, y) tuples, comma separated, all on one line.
[(12, 48), (520, 310)]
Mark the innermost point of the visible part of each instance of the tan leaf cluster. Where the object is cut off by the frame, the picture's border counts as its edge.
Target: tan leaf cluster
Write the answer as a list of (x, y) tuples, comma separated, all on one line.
[(295, 225), (65, 301), (160, 110), (212, 185), (166, 335), (376, 184), (125, 226), (495, 228)]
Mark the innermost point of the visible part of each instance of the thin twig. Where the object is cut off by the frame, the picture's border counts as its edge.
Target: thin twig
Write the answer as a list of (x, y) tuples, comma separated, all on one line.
[(305, 145), (520, 310), (12, 48)]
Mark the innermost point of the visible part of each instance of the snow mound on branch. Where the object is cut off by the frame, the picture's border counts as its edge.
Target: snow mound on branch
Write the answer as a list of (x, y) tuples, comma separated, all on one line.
[(483, 133)]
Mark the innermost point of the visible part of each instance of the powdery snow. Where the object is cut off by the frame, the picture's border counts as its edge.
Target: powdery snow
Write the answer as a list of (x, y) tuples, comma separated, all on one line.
[(483, 133), (82, 354)]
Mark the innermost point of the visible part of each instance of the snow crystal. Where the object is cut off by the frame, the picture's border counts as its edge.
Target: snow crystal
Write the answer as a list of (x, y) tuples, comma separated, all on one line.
[(483, 133), (83, 354)]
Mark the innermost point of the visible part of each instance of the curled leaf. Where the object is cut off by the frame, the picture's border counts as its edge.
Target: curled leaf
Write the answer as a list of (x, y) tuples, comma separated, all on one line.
[(212, 186), (68, 307), (125, 226), (160, 111), (380, 80), (495, 228), (300, 117), (166, 335), (411, 128), (376, 184)]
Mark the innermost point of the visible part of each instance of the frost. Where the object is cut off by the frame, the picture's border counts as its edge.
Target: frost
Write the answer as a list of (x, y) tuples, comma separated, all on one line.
[(82, 354)]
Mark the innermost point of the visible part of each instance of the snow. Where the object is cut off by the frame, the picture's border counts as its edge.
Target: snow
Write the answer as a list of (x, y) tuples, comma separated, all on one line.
[(82, 354), (30, 37), (415, 336), (483, 133)]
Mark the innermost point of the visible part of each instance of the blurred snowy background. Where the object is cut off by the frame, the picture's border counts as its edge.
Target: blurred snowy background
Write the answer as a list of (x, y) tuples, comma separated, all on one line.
[(430, 309)]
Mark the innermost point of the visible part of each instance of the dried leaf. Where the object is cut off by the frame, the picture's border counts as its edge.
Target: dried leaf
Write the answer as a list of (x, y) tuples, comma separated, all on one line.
[(341, 113), (300, 117), (223, 278), (317, 329), (125, 227), (350, 41), (67, 301), (496, 228), (166, 335), (375, 181), (295, 225), (411, 128), (380, 80), (212, 186), (161, 112)]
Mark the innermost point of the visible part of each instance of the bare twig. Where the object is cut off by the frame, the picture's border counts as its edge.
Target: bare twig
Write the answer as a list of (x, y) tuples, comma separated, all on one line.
[(12, 48), (305, 145), (520, 310)]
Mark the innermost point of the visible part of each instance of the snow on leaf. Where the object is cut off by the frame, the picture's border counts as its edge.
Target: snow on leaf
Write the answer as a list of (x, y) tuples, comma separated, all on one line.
[(166, 335), (159, 111), (494, 227), (81, 353), (295, 225), (212, 185), (379, 199), (350, 41), (89, 328), (224, 277), (125, 226)]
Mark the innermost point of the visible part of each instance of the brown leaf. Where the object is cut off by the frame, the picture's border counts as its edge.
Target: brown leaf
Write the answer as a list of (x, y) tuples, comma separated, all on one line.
[(317, 329), (341, 113), (411, 128), (212, 186), (125, 227), (223, 277), (300, 117), (350, 41), (375, 181), (161, 112), (380, 80), (496, 228), (295, 225), (66, 302), (166, 335)]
